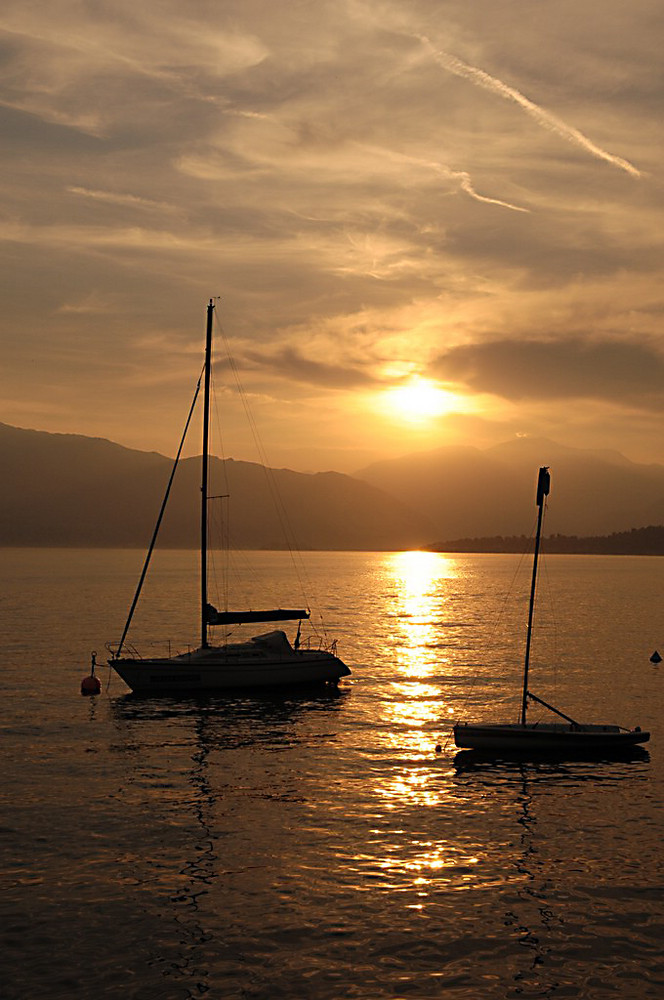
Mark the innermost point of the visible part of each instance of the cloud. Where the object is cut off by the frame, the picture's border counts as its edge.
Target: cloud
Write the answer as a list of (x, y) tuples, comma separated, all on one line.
[(368, 184), (543, 117), (291, 363), (459, 178), (572, 368), (117, 198), (135, 51)]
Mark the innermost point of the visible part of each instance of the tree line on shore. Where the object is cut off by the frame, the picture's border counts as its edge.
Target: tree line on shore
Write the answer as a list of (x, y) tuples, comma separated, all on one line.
[(636, 542)]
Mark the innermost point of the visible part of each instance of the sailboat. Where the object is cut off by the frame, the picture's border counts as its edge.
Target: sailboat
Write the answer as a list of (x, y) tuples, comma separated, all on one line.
[(524, 737), (268, 660)]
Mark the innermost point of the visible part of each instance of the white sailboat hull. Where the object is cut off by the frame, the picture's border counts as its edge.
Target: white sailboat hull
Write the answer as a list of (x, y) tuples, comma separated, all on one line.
[(546, 737), (237, 666)]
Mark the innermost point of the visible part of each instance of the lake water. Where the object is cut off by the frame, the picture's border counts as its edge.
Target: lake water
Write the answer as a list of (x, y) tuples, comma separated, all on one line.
[(318, 846)]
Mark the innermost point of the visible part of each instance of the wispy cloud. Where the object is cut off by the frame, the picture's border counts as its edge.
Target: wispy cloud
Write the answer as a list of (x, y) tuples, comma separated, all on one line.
[(80, 238), (459, 177), (370, 184), (291, 363), (117, 198), (543, 117)]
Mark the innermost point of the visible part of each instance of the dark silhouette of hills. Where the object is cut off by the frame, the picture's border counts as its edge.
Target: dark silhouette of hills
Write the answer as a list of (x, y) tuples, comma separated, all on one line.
[(71, 490), (637, 542), (468, 492)]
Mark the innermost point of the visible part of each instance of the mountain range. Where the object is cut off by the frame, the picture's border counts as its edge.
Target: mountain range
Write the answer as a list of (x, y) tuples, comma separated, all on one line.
[(73, 490), (468, 492)]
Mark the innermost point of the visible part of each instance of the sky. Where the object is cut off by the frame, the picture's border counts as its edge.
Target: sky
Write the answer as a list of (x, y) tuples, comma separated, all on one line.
[(427, 223)]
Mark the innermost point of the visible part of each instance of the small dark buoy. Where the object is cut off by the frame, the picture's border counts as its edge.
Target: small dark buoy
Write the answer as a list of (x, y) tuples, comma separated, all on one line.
[(91, 684), (655, 658), (438, 748)]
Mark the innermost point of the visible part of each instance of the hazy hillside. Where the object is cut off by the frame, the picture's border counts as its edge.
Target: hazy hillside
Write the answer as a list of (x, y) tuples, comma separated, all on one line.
[(61, 489), (468, 492)]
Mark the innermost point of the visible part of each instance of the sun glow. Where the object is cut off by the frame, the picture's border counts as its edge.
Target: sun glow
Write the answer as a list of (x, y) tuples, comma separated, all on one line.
[(420, 400)]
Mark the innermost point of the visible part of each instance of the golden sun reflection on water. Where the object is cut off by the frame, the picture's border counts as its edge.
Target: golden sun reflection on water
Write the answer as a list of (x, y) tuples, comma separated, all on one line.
[(419, 866), (422, 584), (413, 787), (420, 574), (422, 591), (430, 868), (430, 865), (398, 857)]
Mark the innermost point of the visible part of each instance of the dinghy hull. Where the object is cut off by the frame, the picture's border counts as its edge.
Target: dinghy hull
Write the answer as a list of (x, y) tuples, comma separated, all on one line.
[(546, 737)]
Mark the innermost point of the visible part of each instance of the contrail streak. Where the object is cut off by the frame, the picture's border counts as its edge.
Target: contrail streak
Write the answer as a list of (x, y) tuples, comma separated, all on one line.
[(460, 176), (541, 116), (467, 186)]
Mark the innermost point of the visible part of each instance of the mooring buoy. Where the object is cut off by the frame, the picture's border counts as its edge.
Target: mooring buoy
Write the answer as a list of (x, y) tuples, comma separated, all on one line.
[(91, 684)]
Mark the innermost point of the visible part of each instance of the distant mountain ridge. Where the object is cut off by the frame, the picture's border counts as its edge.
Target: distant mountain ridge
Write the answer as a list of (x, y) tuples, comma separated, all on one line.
[(469, 492), (71, 490)]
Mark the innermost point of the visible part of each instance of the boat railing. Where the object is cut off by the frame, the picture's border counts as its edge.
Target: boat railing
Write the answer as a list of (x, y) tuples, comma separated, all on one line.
[(164, 648), (313, 643), (130, 652)]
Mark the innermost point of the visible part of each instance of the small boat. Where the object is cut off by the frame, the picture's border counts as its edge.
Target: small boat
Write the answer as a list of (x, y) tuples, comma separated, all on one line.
[(268, 660), (562, 738)]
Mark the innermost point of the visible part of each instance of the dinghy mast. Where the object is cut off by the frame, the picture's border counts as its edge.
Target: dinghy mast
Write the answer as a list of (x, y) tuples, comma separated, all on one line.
[(543, 486)]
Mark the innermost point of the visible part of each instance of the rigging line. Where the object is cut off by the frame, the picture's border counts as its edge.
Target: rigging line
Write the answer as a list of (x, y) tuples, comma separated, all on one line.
[(272, 489), (220, 518), (552, 610), (216, 523), (497, 621), (159, 520), (220, 515), (280, 510), (219, 522)]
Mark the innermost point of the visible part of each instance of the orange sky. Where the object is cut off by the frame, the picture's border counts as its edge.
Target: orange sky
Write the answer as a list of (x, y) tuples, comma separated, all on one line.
[(389, 198)]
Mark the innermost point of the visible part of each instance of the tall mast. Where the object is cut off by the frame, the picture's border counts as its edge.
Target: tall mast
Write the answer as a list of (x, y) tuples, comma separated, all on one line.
[(205, 462), (543, 485)]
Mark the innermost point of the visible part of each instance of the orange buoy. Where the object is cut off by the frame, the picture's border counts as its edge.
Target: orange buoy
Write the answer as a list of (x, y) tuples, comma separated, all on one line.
[(91, 684)]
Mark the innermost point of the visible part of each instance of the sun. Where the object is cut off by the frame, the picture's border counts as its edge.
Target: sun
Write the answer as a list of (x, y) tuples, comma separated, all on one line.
[(419, 400)]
